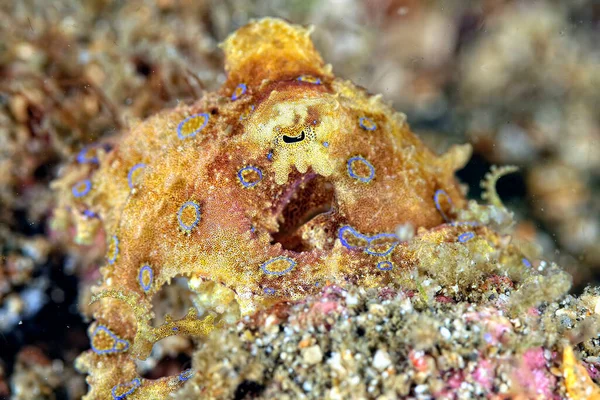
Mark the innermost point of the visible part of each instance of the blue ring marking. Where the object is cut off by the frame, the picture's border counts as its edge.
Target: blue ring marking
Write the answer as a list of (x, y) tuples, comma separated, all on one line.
[(235, 94), (134, 384), (354, 232), (269, 291), (384, 253), (278, 273), (325, 144), (381, 267), (309, 79), (77, 192), (196, 207), (363, 179), (131, 171), (111, 260), (367, 124), (82, 157), (185, 375), (526, 262), (465, 237), (181, 136), (244, 182), (90, 213), (117, 340), (146, 267), (436, 199)]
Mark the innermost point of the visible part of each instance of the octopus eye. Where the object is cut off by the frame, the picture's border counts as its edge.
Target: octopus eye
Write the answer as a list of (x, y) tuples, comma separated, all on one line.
[(190, 126), (360, 169), (294, 139)]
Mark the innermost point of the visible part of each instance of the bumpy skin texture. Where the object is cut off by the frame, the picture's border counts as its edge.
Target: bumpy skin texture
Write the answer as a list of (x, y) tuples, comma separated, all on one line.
[(284, 180)]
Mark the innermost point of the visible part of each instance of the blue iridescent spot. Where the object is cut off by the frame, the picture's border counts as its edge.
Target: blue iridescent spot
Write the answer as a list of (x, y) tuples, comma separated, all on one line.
[(185, 375), (239, 91), (364, 162), (145, 277), (84, 158), (270, 155), (119, 345), (309, 79), (380, 245), (81, 188), (325, 144), (115, 253), (243, 179), (191, 120), (385, 265), (131, 172), (291, 265), (269, 291), (188, 227), (392, 245), (367, 124), (526, 262), (353, 232), (436, 199), (90, 214), (129, 388), (465, 237)]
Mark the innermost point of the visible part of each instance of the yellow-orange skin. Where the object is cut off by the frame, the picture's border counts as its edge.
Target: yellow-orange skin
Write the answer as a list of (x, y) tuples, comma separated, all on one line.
[(234, 238)]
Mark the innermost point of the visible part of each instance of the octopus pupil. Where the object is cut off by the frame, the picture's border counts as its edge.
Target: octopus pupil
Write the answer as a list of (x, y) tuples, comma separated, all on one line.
[(294, 139)]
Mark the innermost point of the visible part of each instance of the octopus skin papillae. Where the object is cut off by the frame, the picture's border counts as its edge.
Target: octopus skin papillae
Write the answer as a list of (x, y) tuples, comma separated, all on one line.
[(284, 180)]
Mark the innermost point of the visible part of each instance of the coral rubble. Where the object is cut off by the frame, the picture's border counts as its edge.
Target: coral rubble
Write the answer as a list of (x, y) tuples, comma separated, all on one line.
[(385, 344)]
